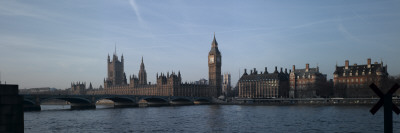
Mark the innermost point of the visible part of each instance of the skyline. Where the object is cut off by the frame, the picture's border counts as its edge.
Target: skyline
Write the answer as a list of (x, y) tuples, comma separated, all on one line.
[(51, 44)]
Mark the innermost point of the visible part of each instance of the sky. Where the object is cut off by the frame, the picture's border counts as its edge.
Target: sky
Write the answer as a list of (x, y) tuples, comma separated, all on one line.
[(51, 43)]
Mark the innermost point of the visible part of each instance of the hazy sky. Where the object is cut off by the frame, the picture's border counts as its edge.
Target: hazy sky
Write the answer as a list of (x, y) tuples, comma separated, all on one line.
[(53, 43)]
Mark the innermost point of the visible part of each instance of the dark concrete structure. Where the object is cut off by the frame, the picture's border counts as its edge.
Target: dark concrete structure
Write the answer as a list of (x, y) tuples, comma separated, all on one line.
[(11, 110)]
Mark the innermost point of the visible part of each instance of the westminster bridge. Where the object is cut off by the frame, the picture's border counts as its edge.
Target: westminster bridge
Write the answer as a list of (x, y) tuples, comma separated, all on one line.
[(33, 101)]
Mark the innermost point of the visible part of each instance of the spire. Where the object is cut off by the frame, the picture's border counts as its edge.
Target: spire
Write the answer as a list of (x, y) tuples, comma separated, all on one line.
[(142, 65), (214, 42), (115, 48), (90, 85), (142, 74)]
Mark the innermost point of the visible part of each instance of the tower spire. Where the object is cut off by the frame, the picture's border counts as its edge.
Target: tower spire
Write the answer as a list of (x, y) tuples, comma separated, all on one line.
[(214, 42), (115, 48), (142, 74)]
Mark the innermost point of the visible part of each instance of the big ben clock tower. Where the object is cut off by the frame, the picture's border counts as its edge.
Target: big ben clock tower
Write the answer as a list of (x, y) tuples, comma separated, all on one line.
[(214, 70)]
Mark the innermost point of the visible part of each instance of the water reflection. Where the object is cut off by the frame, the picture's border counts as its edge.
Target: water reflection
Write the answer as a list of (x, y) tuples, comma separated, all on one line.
[(208, 118)]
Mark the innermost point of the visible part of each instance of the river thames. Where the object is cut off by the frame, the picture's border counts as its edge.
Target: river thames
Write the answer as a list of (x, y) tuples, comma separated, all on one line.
[(207, 118)]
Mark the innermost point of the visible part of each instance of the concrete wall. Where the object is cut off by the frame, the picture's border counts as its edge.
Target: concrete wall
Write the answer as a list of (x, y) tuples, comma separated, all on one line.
[(11, 110)]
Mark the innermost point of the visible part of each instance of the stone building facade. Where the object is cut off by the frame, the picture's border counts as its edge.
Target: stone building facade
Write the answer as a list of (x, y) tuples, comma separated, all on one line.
[(352, 81), (264, 85), (214, 69), (307, 83), (78, 88), (115, 71), (226, 84), (169, 84)]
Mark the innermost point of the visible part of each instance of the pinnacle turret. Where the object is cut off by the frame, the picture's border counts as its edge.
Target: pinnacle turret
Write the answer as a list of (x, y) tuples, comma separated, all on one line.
[(142, 74)]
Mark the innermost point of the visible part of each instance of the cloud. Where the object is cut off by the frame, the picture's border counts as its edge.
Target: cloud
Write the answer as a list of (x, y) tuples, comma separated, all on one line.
[(314, 23), (347, 34), (13, 8), (136, 9)]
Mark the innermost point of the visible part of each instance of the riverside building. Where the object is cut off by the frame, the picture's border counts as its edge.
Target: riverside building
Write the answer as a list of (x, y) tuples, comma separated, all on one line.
[(264, 85), (167, 84), (352, 81), (307, 83)]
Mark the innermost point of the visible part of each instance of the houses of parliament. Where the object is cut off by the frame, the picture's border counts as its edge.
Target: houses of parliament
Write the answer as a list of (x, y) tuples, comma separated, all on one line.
[(168, 84)]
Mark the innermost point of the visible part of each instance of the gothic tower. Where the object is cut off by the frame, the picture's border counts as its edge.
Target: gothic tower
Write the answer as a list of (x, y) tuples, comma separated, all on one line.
[(214, 69), (142, 74), (115, 72)]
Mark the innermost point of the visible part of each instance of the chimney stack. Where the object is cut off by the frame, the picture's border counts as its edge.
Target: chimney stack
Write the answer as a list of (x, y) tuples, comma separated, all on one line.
[(307, 67), (369, 63), (347, 64), (294, 68), (265, 72)]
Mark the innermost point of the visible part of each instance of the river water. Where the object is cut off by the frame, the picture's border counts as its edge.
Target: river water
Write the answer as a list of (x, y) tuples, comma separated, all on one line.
[(208, 118)]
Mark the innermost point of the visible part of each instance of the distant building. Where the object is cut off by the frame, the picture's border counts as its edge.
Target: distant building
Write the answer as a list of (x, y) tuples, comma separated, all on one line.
[(226, 84), (307, 83), (116, 75), (169, 84), (353, 80), (264, 85), (41, 90), (202, 82), (78, 88)]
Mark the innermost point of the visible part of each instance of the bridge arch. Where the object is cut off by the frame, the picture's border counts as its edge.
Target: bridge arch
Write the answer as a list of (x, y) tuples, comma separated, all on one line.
[(154, 99), (29, 102), (75, 101), (117, 99), (120, 101), (183, 99), (72, 100), (201, 101)]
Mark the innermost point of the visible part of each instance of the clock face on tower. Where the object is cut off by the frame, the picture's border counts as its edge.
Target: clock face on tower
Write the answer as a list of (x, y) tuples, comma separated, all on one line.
[(211, 60), (218, 59)]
